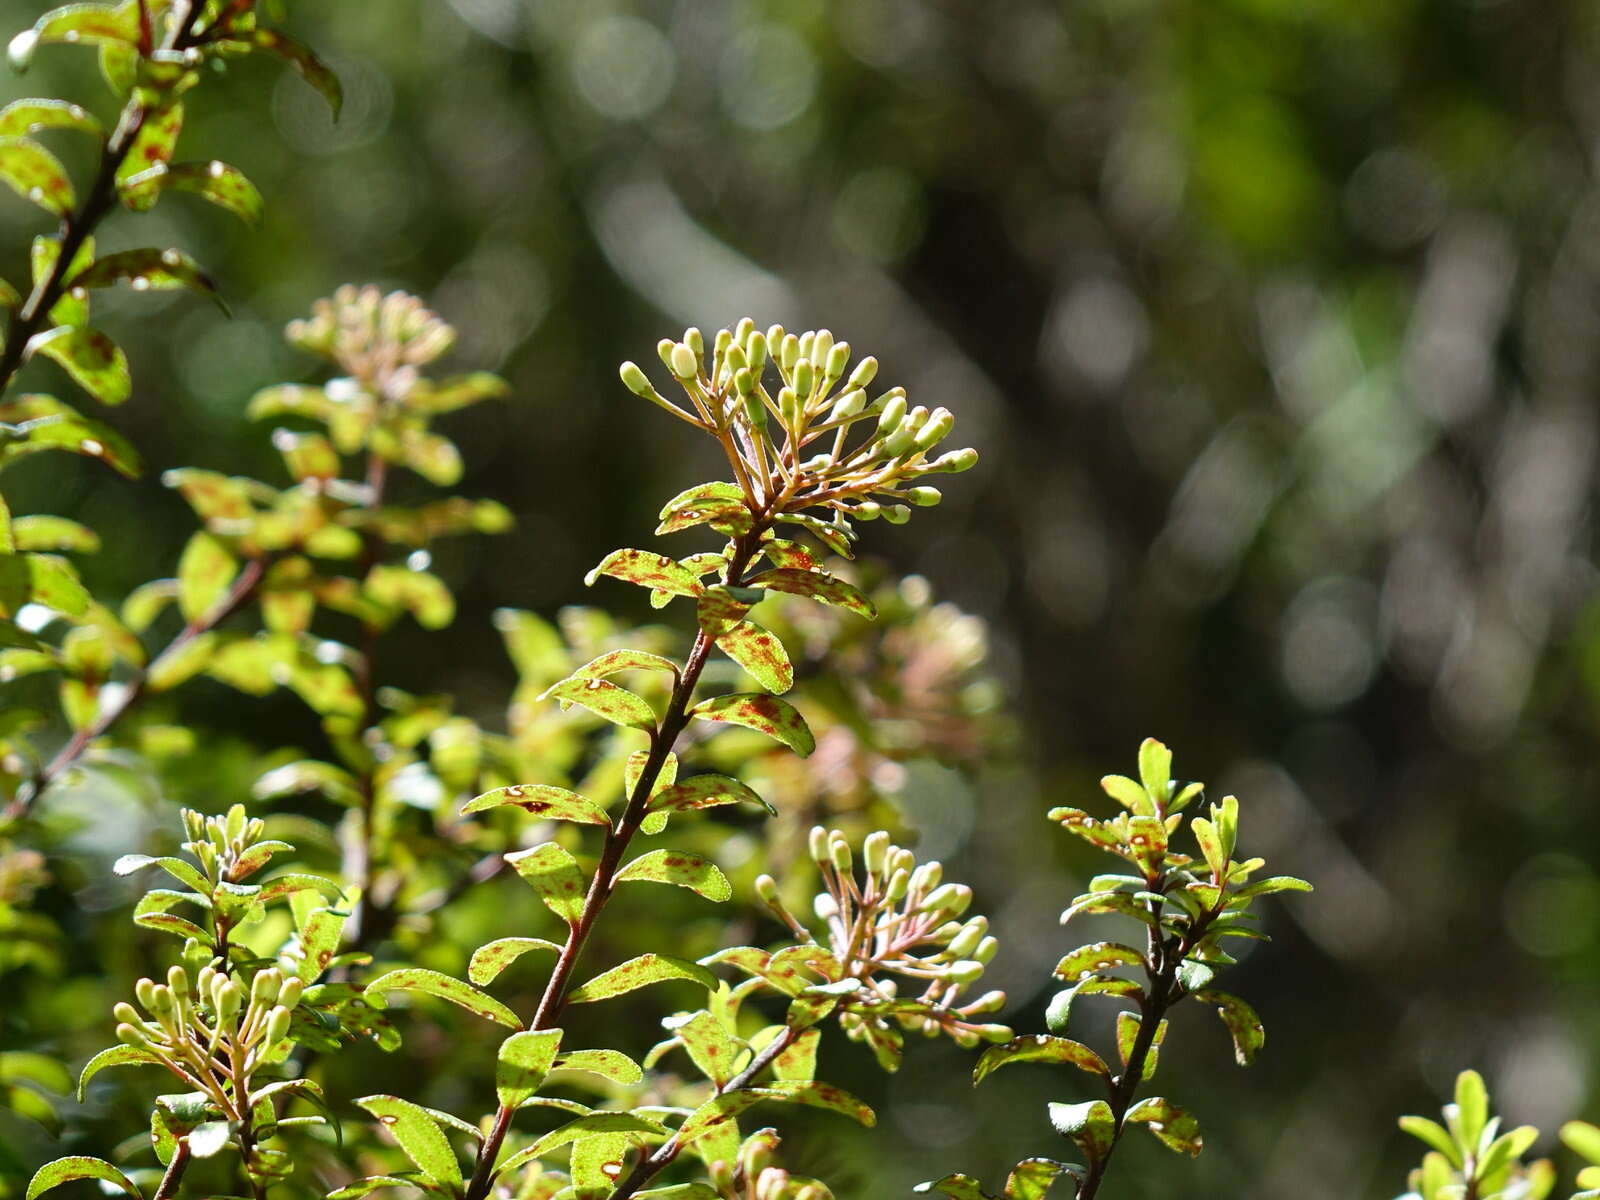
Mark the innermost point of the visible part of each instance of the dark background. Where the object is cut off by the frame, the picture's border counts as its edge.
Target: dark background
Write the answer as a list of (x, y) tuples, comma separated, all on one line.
[(1275, 325)]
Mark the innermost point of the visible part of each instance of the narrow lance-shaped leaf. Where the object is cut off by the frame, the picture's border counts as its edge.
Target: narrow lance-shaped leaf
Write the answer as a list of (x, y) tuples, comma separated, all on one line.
[(419, 1136), (433, 983), (148, 270), (94, 361), (705, 791), (78, 1166), (776, 718), (311, 68), (641, 972), (152, 149), (22, 117), (610, 1064), (681, 868), (820, 586), (491, 958), (542, 801), (647, 570), (220, 184)]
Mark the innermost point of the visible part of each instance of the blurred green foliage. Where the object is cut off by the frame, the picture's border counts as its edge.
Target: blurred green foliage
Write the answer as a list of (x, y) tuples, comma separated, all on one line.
[(1275, 324)]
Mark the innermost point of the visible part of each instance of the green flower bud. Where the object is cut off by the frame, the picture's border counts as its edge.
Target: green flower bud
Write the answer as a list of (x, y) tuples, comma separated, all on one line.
[(755, 349), (145, 990), (995, 1033), (696, 342), (899, 884), (754, 410), (866, 371), (743, 330), (875, 851), (867, 510), (775, 336), (950, 899), (986, 950), (664, 349), (254, 830), (161, 1003), (265, 986), (894, 412), (743, 382), (293, 989), (966, 941), (848, 405), (767, 889), (838, 360), (991, 1001), (804, 378), (965, 972), (807, 340), (818, 843), (967, 1039), (236, 820), (130, 1035), (821, 347), (721, 1175), (789, 407), (839, 853), (926, 877), (736, 358), (685, 363), (277, 1025), (788, 352), (899, 442), (923, 497), (897, 514), (723, 342), (125, 1012), (178, 981), (635, 380), (955, 461), (936, 429), (229, 999)]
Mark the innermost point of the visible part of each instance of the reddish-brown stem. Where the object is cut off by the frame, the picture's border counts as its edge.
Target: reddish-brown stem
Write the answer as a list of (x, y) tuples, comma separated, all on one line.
[(175, 1170), (616, 844), (244, 585)]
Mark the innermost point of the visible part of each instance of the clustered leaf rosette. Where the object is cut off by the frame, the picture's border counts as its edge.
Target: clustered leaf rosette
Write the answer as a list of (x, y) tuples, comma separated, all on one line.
[(818, 442), (1468, 1156), (223, 1021), (891, 953), (754, 1175), (1188, 905)]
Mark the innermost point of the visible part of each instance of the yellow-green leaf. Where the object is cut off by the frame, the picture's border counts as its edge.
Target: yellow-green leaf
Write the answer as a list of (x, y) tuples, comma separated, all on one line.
[(817, 585), (776, 718), (491, 958), (457, 991), (641, 972), (94, 361), (761, 655), (681, 868), (542, 801), (36, 175), (606, 699), (554, 874), (205, 571)]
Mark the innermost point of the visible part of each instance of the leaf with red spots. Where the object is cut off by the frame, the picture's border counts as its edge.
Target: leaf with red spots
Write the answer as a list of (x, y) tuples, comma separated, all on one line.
[(522, 1062), (681, 868), (760, 653), (542, 801), (705, 791), (84, 25), (419, 1135), (554, 874), (216, 182), (720, 608), (79, 1166), (154, 270), (1174, 1127), (1040, 1048), (957, 1187), (820, 586), (625, 660), (491, 958), (647, 570), (656, 819), (719, 505), (821, 1095), (95, 362), (714, 1049), (594, 1123), (36, 175), (1031, 1178), (608, 1064), (1245, 1027), (1096, 957), (798, 1062), (138, 177), (787, 555), (311, 68), (606, 699), (776, 718), (715, 1115), (22, 117), (457, 991), (641, 972)]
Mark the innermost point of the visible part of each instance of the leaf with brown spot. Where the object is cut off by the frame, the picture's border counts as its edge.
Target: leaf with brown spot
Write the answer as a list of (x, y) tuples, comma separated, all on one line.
[(625, 660), (491, 958), (719, 505), (705, 791), (457, 991), (1244, 1026), (715, 1050), (1040, 1048), (647, 570), (542, 801), (719, 609), (681, 868), (608, 1064), (419, 1135), (147, 158), (522, 1062), (554, 874), (776, 718), (641, 972), (36, 175), (819, 586), (1175, 1127), (605, 699), (94, 361), (787, 555), (760, 653)]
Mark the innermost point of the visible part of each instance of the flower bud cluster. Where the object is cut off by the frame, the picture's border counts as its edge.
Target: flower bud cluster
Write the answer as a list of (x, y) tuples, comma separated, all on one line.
[(229, 847), (193, 1025), (379, 341), (816, 439), (755, 1177), (899, 926)]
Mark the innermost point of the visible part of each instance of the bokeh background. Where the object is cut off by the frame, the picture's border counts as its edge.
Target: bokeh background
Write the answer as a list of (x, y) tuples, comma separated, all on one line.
[(1276, 325)]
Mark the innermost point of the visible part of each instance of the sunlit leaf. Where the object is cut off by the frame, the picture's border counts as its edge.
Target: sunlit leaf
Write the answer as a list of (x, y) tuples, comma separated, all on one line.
[(705, 791), (94, 361), (205, 571), (78, 1166), (681, 868), (419, 1136), (1175, 1127), (817, 585), (761, 655), (640, 972), (1040, 1048), (776, 718), (490, 959), (554, 874), (312, 69), (542, 801), (459, 992), (147, 270), (36, 175), (522, 1062), (22, 117), (647, 570), (1243, 1025), (606, 699)]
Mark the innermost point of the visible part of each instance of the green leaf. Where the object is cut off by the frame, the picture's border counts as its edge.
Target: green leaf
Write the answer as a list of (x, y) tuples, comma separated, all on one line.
[(641, 972), (148, 270), (139, 175), (710, 1044), (820, 586), (1058, 1014), (1433, 1134), (1031, 1178), (184, 872), (610, 1064), (681, 868), (22, 117), (41, 532), (1270, 886), (94, 361), (420, 593), (116, 1056), (78, 1166), (87, 25), (218, 183), (821, 1095), (1089, 1125), (647, 570), (594, 1123), (36, 175), (798, 1062), (606, 699), (1582, 1138), (311, 68), (624, 660), (205, 572), (776, 718), (433, 983), (1245, 1027), (705, 791), (1040, 1047), (761, 655), (1128, 793), (42, 579), (1097, 957), (719, 609), (491, 958), (542, 801), (1173, 1126), (720, 505), (554, 874), (957, 1187), (522, 1062), (1472, 1101), (419, 1136), (1155, 768)]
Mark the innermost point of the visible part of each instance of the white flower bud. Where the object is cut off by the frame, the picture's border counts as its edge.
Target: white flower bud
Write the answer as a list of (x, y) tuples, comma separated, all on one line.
[(685, 363), (696, 341)]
